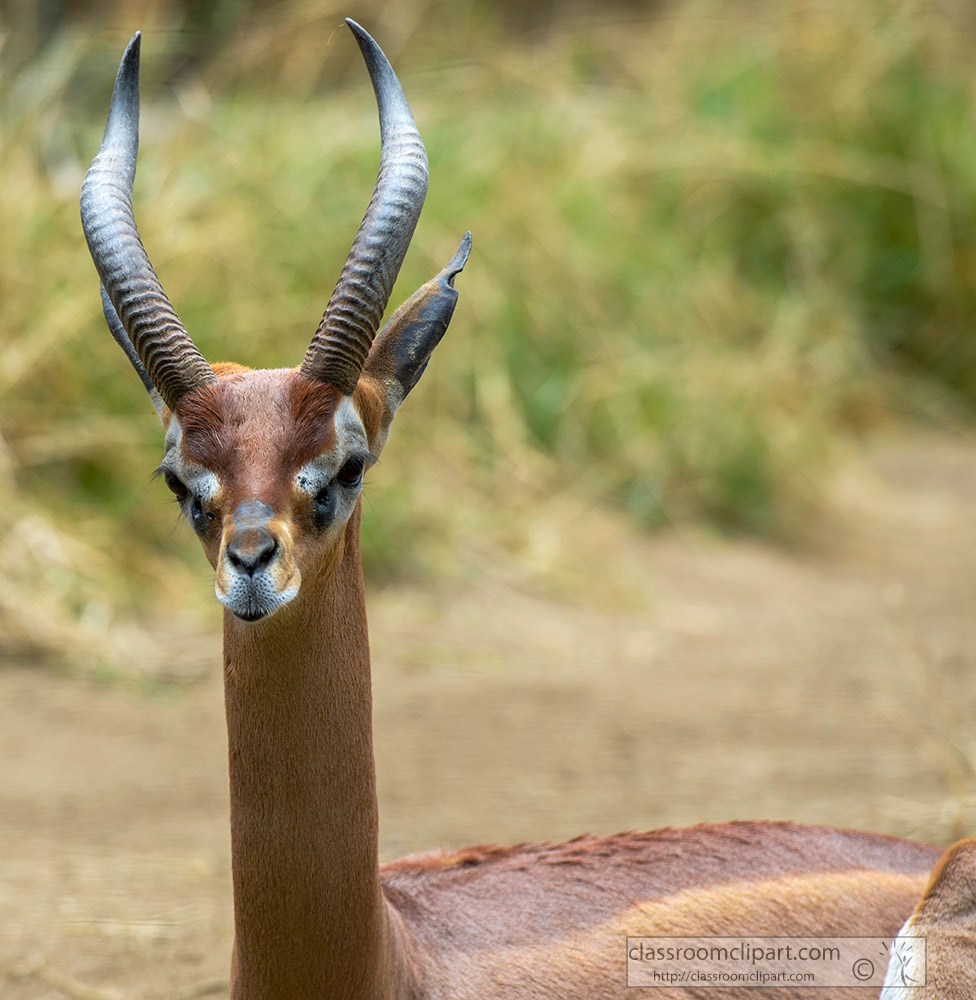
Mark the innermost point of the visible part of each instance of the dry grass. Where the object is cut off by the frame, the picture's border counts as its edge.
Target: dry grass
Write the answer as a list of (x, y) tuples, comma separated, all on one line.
[(708, 244)]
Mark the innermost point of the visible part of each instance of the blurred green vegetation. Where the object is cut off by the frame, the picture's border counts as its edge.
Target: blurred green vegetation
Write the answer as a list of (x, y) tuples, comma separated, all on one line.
[(711, 240)]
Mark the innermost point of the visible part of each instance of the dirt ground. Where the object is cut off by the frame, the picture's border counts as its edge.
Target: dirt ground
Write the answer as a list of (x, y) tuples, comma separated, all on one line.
[(733, 680)]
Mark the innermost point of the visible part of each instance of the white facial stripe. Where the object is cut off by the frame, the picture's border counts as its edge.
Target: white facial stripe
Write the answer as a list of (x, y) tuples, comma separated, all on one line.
[(350, 440), (347, 422), (198, 480)]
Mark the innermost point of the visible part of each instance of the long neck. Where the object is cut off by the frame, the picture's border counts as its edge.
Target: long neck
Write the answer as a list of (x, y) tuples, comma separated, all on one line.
[(310, 919)]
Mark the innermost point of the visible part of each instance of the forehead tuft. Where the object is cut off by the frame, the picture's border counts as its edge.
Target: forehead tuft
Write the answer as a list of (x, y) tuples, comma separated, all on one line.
[(313, 407), (252, 415)]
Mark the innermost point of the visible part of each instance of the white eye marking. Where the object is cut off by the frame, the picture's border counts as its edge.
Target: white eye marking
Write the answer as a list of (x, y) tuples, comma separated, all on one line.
[(314, 477), (202, 483), (311, 479), (199, 481), (347, 421)]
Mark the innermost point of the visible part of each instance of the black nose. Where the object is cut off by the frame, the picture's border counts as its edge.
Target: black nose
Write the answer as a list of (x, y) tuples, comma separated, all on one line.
[(251, 549)]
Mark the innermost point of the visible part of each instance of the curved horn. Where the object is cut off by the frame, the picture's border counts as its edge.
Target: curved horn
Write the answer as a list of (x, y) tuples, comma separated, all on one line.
[(161, 342), (342, 341), (122, 339)]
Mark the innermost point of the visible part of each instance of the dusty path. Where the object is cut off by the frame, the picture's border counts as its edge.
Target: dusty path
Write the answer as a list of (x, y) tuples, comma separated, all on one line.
[(837, 685)]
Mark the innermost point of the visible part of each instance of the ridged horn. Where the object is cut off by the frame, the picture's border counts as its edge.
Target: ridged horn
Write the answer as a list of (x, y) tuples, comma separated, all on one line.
[(122, 339), (161, 343), (342, 341)]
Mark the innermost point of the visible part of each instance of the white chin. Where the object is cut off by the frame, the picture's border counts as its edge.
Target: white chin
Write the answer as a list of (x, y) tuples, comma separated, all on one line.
[(251, 603)]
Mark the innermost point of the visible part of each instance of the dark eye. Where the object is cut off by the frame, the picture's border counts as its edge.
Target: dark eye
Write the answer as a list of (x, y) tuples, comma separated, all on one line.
[(196, 513), (351, 472), (176, 486), (324, 508)]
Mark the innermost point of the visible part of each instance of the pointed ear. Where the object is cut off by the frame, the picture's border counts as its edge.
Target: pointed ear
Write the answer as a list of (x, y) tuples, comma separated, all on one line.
[(403, 347)]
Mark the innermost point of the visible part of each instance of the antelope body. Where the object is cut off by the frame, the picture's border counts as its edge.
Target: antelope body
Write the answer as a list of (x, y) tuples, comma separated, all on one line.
[(267, 467)]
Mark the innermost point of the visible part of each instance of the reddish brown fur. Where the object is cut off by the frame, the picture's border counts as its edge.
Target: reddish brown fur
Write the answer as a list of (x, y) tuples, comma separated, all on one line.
[(309, 915), (313, 407), (550, 920), (717, 853), (256, 429), (647, 866), (201, 415)]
